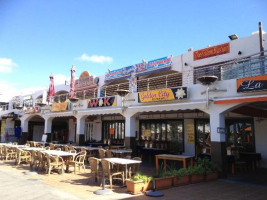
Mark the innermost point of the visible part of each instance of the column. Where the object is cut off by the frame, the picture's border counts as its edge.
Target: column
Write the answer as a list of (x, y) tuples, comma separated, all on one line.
[(24, 131), (218, 144), (48, 129), (80, 130), (130, 132)]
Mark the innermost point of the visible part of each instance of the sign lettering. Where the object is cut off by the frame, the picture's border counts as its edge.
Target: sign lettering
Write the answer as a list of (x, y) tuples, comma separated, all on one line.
[(212, 51), (101, 102), (249, 84)]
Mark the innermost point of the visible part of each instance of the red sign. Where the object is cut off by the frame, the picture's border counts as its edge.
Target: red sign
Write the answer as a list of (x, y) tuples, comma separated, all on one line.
[(84, 82), (212, 51)]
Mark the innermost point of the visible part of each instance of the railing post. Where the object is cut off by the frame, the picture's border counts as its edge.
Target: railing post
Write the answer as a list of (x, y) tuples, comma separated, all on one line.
[(166, 81), (148, 84)]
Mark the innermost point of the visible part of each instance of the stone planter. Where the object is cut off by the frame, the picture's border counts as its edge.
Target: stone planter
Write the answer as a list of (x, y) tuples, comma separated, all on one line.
[(196, 178), (212, 176), (163, 183), (183, 180), (137, 187)]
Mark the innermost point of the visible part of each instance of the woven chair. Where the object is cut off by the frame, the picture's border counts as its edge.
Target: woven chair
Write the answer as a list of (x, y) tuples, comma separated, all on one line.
[(109, 154), (94, 167), (78, 161), (39, 160), (58, 149), (52, 146), (22, 156), (34, 158), (54, 162), (134, 168), (47, 148), (1, 152), (111, 173), (101, 153), (9, 153), (66, 148)]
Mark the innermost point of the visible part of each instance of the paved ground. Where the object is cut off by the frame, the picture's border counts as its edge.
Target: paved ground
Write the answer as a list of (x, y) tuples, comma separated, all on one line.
[(14, 184)]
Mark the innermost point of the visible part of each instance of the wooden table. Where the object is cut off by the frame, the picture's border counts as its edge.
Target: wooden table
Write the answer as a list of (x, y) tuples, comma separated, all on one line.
[(172, 157)]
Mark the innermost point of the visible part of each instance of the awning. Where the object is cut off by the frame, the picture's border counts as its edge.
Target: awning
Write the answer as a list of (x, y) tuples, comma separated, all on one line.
[(101, 111), (241, 99)]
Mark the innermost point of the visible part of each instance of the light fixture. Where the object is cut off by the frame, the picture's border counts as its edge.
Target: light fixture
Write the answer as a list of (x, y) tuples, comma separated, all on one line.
[(185, 64), (233, 37), (207, 80), (122, 93), (19, 107), (73, 100), (41, 104), (239, 52)]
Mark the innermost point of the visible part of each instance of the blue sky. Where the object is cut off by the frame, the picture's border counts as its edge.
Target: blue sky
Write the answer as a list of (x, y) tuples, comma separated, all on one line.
[(38, 37)]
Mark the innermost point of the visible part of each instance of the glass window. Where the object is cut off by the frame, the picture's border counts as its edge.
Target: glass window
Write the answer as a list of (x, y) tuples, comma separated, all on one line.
[(202, 128), (113, 130)]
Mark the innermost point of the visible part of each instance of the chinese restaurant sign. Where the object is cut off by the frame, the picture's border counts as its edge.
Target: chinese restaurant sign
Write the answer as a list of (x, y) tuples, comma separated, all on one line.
[(212, 51), (250, 84), (163, 94), (101, 102), (190, 132), (85, 81), (56, 107), (141, 67)]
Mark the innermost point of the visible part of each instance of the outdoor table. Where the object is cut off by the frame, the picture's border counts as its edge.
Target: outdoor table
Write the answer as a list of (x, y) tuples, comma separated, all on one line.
[(116, 147), (120, 152), (172, 157), (123, 161), (62, 154), (32, 148)]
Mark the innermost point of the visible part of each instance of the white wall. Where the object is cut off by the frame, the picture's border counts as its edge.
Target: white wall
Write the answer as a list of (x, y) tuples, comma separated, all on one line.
[(261, 139)]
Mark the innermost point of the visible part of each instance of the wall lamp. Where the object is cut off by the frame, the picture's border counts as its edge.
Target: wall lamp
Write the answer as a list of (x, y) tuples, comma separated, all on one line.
[(185, 64), (233, 37), (239, 52)]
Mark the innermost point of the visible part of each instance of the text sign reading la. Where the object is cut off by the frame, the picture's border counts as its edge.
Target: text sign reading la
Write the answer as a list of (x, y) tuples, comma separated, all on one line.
[(250, 84)]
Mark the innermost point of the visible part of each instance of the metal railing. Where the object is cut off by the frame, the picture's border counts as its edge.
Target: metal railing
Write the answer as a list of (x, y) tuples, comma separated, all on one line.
[(110, 90), (159, 82)]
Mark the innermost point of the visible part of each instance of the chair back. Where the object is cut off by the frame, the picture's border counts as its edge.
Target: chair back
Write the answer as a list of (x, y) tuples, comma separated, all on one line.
[(47, 148), (71, 148), (105, 166), (81, 157), (66, 148), (101, 153), (94, 163), (52, 146), (72, 151), (109, 154), (135, 167)]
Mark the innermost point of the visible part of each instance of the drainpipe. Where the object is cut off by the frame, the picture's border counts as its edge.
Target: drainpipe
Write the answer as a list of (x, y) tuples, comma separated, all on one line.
[(207, 96), (261, 39)]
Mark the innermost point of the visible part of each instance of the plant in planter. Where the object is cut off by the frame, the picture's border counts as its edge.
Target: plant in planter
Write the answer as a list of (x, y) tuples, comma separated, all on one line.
[(164, 180), (139, 183), (197, 174), (211, 171), (181, 177)]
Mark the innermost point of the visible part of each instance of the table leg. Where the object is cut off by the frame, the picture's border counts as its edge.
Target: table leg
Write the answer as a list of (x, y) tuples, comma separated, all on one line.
[(157, 164)]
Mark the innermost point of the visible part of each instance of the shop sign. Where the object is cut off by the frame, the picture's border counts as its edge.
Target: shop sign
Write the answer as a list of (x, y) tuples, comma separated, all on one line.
[(221, 130), (212, 51), (79, 105), (101, 102), (190, 132), (251, 84), (57, 107), (140, 67), (32, 110), (111, 131), (84, 81), (162, 95), (147, 133)]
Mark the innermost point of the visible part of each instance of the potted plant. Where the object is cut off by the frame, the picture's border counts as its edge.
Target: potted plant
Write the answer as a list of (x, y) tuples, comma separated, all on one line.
[(164, 180), (181, 177), (197, 174), (211, 172), (139, 183)]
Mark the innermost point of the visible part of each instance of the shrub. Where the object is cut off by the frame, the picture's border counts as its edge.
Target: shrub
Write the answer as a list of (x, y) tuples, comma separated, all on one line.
[(139, 176)]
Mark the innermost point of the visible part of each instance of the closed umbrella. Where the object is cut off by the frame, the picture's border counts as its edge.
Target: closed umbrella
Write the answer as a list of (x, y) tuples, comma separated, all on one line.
[(72, 80), (51, 91)]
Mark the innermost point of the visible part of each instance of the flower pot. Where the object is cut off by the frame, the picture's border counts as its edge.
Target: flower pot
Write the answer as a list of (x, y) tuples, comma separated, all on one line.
[(196, 178), (212, 176), (183, 180), (163, 183), (137, 187)]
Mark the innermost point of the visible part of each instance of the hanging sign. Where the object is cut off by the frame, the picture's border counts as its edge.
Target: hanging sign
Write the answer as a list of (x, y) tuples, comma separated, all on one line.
[(85, 81), (56, 107), (111, 131), (101, 102), (212, 51), (140, 67), (32, 110), (147, 133), (251, 84), (190, 132), (163, 94)]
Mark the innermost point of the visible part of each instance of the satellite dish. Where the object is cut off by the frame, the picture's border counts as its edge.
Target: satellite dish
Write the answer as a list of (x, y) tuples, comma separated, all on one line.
[(96, 80)]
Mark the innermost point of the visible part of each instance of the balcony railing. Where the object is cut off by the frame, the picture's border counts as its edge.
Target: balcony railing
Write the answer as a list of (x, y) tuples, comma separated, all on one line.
[(159, 82), (110, 90), (250, 66)]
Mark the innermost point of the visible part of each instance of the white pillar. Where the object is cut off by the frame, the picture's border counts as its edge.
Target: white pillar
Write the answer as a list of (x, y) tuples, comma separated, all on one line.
[(48, 125), (24, 125), (217, 121), (130, 126), (80, 130)]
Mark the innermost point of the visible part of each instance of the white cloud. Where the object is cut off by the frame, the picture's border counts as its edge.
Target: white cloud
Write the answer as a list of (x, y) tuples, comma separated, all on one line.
[(7, 65), (10, 90), (95, 58), (60, 79)]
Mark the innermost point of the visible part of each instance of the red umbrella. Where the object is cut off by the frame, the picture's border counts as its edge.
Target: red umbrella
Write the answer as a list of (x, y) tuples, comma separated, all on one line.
[(51, 91), (72, 81)]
